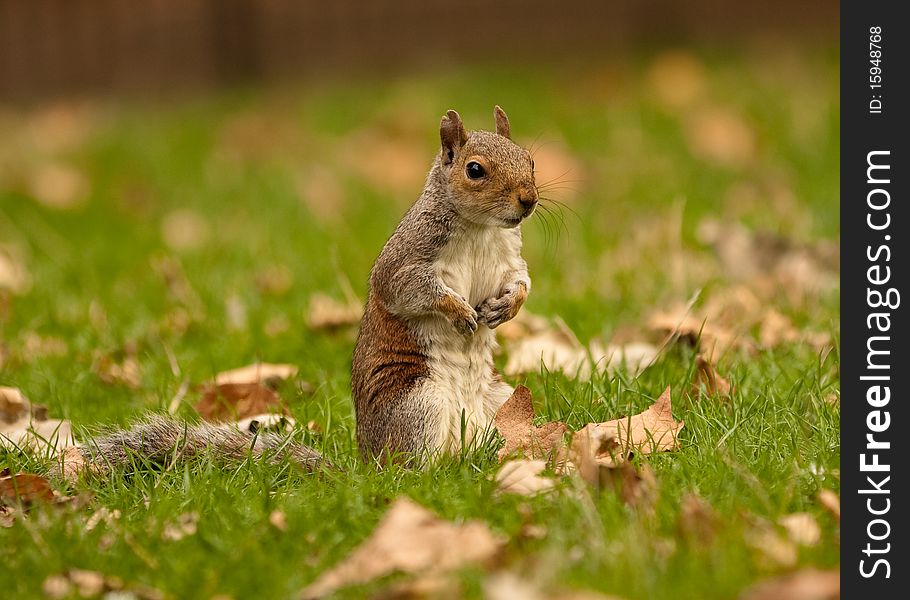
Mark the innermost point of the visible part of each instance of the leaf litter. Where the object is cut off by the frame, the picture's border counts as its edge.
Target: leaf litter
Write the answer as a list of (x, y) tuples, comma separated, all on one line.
[(410, 539)]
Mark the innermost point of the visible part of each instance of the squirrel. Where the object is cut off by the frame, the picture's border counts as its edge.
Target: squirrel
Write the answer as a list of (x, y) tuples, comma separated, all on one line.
[(423, 377)]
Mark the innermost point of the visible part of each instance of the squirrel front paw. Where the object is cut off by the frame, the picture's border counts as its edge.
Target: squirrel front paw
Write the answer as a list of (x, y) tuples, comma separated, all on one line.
[(493, 312), (461, 314)]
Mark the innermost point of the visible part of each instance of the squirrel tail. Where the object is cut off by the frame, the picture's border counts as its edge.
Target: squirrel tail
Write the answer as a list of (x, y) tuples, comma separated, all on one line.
[(159, 440)]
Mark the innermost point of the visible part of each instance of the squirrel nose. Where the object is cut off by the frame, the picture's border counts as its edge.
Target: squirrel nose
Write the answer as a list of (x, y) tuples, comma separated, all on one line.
[(527, 201)]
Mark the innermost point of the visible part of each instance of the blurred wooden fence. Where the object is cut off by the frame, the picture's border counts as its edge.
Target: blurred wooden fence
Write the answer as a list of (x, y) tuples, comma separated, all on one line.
[(54, 47)]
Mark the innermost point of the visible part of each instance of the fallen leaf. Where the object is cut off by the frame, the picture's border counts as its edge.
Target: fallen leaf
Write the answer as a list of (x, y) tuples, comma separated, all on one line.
[(558, 350), (275, 280), (278, 520), (58, 185), (330, 314), (25, 426), (235, 401), (697, 520), (102, 515), (515, 422), (235, 313), (13, 274), (653, 430), (321, 190), (677, 79), (802, 528), (595, 457), (265, 373), (777, 329), (769, 260), (831, 502), (721, 136), (708, 380), (806, 584), (553, 349), (412, 540), (184, 525), (506, 585), (125, 372), (92, 584), (185, 229), (523, 325), (26, 488), (523, 477), (7, 515), (772, 549), (711, 339), (13, 404)]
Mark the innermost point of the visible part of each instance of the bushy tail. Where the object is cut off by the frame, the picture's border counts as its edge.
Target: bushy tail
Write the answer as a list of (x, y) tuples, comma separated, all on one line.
[(159, 440)]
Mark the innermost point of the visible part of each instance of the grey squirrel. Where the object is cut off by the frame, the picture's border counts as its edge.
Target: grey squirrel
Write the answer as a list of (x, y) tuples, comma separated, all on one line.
[(423, 377)]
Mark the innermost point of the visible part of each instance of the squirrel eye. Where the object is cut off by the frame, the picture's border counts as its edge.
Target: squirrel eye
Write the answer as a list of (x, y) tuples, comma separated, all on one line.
[(475, 170)]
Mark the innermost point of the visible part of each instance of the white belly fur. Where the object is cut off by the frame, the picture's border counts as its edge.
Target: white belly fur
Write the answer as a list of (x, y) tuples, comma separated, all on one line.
[(475, 264)]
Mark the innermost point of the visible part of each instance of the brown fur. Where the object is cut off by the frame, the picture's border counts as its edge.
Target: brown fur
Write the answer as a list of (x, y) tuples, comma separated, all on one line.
[(390, 359), (160, 439)]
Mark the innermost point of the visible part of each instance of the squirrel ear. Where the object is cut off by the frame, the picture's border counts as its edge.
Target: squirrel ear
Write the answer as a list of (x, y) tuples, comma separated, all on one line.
[(502, 122), (452, 135)]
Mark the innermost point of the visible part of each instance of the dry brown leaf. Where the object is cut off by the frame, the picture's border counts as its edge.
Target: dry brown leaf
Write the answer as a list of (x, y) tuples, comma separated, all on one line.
[(806, 584), (185, 229), (523, 325), (677, 79), (126, 372), (102, 515), (7, 515), (774, 263), (13, 274), (405, 173), (25, 426), (523, 477), (721, 136), (278, 520), (321, 190), (26, 488), (275, 280), (515, 422), (58, 185), (772, 549), (36, 346), (653, 430), (697, 520), (535, 344), (777, 329), (13, 404), (708, 380), (330, 314), (265, 373), (831, 502), (235, 401), (92, 584), (184, 525), (802, 528), (697, 331), (506, 585), (409, 539)]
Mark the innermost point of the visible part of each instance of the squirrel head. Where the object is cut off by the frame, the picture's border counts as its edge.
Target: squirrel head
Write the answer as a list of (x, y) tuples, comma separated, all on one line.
[(488, 177)]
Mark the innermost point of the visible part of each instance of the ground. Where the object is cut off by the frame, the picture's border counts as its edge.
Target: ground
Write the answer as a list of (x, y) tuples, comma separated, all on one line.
[(190, 237)]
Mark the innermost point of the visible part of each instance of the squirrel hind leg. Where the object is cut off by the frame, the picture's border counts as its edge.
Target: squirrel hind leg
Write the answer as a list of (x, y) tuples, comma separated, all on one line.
[(159, 439)]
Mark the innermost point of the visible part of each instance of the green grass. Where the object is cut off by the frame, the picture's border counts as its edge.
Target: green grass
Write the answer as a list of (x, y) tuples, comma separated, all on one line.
[(243, 161)]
